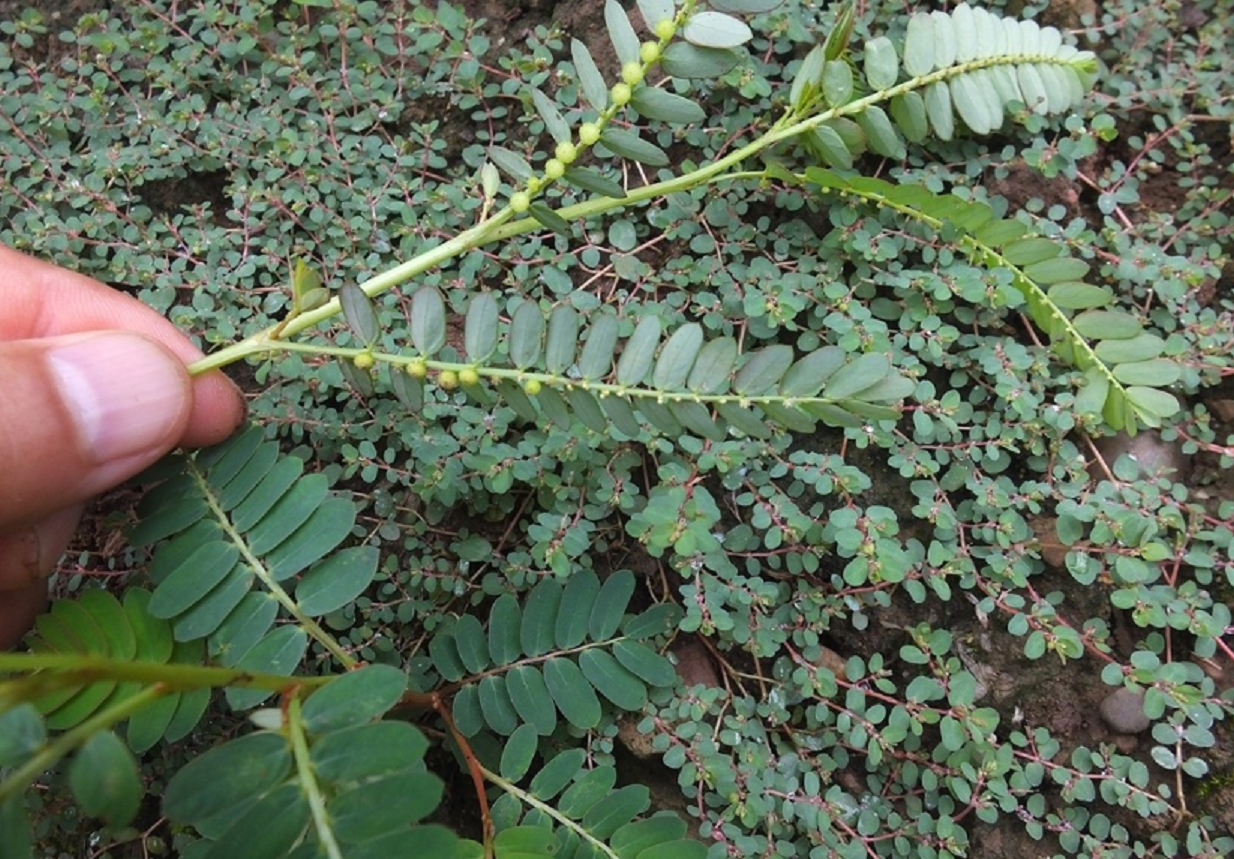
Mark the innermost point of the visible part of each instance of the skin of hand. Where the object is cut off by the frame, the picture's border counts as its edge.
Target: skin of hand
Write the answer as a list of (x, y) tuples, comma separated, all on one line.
[(93, 389)]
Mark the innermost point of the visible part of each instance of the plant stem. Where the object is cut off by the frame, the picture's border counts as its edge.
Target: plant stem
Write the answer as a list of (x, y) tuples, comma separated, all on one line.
[(171, 676), (471, 238), (308, 781), (500, 226)]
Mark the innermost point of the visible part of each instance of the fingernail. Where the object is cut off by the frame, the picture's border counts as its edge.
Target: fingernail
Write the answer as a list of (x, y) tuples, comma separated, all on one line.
[(123, 393)]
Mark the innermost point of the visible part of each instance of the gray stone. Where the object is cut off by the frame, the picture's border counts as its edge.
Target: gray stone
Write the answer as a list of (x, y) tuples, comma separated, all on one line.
[(1123, 711)]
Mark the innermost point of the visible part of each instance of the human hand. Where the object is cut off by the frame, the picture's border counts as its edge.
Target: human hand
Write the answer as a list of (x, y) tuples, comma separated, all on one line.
[(93, 389)]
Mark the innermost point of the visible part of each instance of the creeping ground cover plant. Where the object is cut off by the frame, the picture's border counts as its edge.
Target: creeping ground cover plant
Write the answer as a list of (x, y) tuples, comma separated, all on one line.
[(695, 429)]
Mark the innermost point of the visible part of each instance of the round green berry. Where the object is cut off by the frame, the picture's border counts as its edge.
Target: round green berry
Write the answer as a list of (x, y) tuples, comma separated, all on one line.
[(566, 152), (621, 94), (631, 74), (520, 201), (364, 361), (554, 169), (532, 386), (448, 379), (649, 52), (665, 28), (468, 377), (588, 133), (417, 369)]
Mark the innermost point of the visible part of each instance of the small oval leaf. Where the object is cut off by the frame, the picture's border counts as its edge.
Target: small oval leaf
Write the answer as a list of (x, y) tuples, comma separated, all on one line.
[(677, 357), (428, 321), (526, 334), (710, 29), (480, 329), (359, 313), (639, 352)]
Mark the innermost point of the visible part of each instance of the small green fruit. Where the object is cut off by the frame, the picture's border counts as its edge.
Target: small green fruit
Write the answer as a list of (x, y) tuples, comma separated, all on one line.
[(588, 133), (520, 201), (665, 28), (468, 377), (532, 387), (554, 169), (448, 379), (649, 52), (621, 94), (566, 152), (417, 369), (364, 361), (631, 74)]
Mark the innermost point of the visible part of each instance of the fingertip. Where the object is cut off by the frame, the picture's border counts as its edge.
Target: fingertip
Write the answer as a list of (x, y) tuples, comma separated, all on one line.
[(219, 409)]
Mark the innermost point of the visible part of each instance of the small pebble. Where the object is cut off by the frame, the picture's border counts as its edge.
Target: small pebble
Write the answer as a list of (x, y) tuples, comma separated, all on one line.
[(1155, 456), (1123, 711)]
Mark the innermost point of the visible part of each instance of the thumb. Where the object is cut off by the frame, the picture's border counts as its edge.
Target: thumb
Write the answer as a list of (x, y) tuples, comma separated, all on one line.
[(81, 413)]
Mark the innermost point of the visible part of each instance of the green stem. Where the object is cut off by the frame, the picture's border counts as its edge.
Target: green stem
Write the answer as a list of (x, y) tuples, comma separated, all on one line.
[(460, 244), (598, 388), (308, 781), (46, 757), (500, 226), (788, 127), (171, 676)]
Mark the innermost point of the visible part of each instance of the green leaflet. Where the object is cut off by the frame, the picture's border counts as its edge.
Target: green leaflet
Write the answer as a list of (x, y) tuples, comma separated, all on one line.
[(572, 693), (563, 328), (526, 335), (639, 353), (708, 29), (227, 776), (621, 32), (629, 145), (919, 45), (882, 66), (279, 652), (518, 753), (428, 321), (655, 11), (514, 164), (103, 777), (359, 313), (655, 103), (354, 698), (595, 90), (685, 60), (556, 124), (480, 331), (586, 791), (530, 696)]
